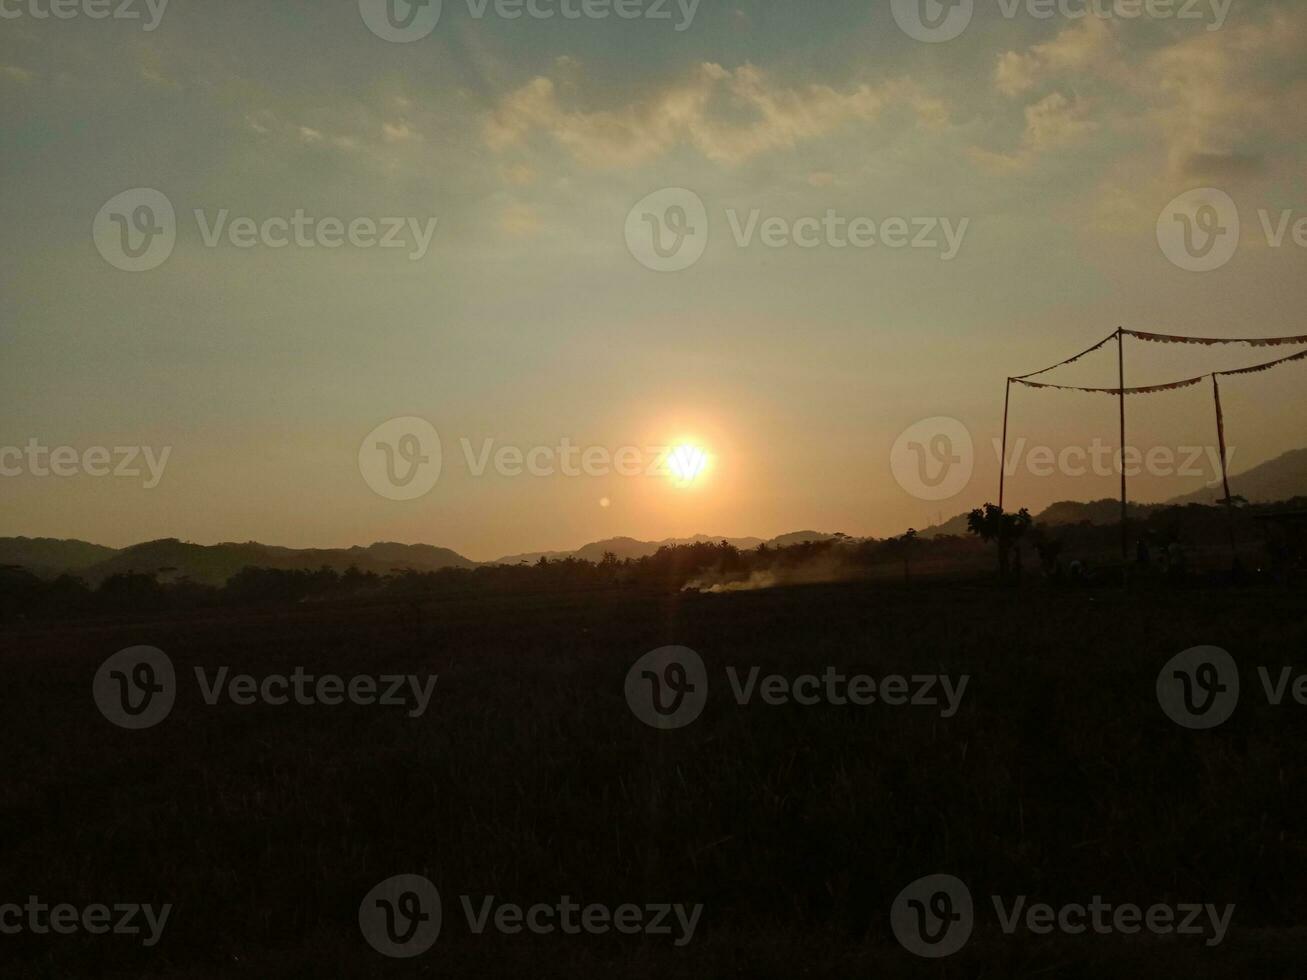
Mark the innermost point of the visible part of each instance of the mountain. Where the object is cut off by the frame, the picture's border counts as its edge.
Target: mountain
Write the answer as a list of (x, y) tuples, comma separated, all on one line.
[(797, 537), (214, 564), (956, 526), (1105, 511), (1282, 478), (623, 548), (49, 557), (631, 548)]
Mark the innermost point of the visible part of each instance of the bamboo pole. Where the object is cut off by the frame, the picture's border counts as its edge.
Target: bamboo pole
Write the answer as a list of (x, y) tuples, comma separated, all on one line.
[(1225, 472), (1120, 360), (1002, 463)]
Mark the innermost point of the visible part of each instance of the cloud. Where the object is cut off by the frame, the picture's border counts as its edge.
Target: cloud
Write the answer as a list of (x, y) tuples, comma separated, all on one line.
[(1216, 99), (1087, 45), (400, 132), (355, 129), (1209, 101), (729, 116), (1052, 123)]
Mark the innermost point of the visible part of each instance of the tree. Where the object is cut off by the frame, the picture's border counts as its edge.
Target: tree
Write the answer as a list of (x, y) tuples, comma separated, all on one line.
[(992, 523), (904, 546)]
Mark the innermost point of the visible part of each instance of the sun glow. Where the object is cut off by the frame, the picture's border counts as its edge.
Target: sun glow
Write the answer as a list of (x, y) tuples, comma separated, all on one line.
[(686, 462)]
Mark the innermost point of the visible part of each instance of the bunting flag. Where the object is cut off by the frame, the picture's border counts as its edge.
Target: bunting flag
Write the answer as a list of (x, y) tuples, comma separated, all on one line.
[(1161, 338), (1147, 390), (1267, 366), (1070, 360)]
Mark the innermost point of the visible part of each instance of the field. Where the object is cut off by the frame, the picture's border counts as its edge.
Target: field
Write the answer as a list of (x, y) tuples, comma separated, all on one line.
[(529, 778)]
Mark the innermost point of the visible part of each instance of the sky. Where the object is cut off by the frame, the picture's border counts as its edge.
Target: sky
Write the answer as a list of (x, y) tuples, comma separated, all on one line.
[(435, 265)]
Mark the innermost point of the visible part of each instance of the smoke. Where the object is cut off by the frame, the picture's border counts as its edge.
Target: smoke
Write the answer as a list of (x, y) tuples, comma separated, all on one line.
[(828, 566)]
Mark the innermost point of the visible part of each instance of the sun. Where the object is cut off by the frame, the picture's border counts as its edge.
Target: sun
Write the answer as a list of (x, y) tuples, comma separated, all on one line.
[(686, 462)]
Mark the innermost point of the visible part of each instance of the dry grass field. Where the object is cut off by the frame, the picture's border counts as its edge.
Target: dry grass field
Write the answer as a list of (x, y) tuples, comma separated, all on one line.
[(529, 778)]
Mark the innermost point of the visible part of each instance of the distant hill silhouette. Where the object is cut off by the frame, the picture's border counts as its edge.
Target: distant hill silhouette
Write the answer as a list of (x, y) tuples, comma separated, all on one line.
[(1283, 478), (52, 556), (625, 548), (1105, 511), (622, 547), (797, 537), (214, 564)]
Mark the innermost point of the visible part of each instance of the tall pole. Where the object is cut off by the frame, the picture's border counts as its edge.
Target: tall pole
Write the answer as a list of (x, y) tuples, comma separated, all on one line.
[(1002, 463), (1225, 472), (1125, 540)]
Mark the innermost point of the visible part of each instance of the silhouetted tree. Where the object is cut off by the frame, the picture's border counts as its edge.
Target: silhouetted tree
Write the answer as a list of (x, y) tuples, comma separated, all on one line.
[(992, 523)]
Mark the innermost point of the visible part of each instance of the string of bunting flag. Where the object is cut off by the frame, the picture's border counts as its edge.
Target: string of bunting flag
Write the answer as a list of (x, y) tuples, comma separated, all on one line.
[(1174, 385), (1162, 338)]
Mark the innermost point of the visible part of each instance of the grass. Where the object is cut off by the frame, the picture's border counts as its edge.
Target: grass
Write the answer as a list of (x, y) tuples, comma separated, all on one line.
[(529, 778)]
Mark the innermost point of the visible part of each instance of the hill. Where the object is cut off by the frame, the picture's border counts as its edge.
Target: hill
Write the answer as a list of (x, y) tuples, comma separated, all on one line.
[(171, 558), (632, 548), (1283, 478), (49, 557), (214, 564)]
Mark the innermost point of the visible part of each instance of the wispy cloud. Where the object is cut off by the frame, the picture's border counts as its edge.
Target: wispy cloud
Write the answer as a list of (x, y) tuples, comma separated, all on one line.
[(1053, 123), (729, 116), (1210, 101)]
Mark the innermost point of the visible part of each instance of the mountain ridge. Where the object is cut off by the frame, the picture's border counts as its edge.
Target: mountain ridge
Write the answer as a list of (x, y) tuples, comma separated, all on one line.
[(214, 564), (626, 547)]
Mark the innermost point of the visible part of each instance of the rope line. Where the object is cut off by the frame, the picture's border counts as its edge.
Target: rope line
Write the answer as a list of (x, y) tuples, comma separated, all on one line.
[(1071, 360), (1147, 390)]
